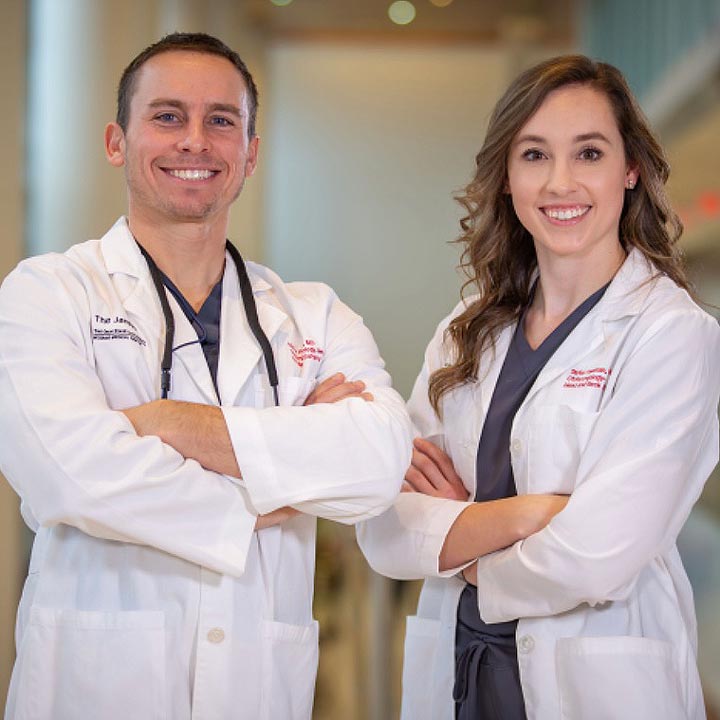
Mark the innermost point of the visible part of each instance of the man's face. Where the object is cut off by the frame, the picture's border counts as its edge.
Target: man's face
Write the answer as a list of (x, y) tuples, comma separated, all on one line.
[(185, 150)]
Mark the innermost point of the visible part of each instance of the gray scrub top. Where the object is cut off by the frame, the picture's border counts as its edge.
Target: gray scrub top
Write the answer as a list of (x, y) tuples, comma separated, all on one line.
[(487, 679)]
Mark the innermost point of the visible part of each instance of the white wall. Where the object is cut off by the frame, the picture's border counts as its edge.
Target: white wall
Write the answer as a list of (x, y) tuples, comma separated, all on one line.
[(365, 148)]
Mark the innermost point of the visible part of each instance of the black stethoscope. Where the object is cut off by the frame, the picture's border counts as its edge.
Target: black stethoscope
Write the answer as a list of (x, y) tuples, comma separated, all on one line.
[(250, 312)]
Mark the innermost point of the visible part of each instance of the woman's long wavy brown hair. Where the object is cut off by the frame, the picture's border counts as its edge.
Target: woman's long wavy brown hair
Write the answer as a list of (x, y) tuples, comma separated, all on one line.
[(499, 256)]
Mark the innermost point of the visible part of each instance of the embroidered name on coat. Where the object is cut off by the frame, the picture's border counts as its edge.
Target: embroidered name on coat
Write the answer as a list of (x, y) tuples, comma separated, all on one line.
[(594, 378), (117, 328), (309, 350)]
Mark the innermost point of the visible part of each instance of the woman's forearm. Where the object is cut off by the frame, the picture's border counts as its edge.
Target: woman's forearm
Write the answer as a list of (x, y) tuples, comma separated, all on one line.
[(488, 526)]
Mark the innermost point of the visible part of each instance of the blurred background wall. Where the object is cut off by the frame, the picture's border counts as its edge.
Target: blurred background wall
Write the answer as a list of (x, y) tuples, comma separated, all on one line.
[(368, 128)]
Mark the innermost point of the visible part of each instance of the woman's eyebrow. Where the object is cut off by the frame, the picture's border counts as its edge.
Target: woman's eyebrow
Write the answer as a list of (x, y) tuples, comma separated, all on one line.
[(584, 137)]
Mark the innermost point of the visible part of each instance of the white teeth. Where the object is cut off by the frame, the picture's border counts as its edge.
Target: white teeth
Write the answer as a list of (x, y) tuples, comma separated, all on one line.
[(565, 214), (192, 174)]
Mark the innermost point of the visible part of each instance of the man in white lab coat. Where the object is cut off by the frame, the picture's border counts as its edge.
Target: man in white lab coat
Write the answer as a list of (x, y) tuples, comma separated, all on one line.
[(172, 570)]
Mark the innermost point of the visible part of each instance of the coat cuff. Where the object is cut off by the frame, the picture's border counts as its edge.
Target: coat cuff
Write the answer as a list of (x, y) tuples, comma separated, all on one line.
[(253, 457)]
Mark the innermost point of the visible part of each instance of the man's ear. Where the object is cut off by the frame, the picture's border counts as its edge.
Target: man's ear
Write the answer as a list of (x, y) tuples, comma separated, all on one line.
[(252, 156), (115, 144)]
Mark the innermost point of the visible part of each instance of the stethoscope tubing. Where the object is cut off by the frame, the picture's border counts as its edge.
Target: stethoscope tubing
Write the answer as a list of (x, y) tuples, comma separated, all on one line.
[(251, 314)]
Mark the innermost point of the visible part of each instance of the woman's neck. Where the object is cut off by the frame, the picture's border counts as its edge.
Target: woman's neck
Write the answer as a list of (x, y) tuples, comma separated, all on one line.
[(563, 284)]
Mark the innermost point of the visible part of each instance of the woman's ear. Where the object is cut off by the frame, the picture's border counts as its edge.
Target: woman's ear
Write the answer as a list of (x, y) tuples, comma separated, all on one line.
[(631, 177)]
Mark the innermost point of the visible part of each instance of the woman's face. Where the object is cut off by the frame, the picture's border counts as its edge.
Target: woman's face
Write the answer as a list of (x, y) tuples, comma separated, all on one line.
[(567, 174)]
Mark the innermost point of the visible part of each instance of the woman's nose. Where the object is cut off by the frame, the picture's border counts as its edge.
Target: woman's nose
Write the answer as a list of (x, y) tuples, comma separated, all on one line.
[(561, 179)]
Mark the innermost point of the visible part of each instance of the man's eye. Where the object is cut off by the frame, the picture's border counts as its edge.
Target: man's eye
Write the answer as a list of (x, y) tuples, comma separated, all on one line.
[(222, 121), (167, 117), (532, 155)]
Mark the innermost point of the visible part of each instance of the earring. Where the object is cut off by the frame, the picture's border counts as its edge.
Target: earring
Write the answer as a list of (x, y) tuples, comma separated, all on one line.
[(630, 185)]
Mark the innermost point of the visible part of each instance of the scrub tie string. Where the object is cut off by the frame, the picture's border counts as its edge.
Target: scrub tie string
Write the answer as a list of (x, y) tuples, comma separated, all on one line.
[(468, 663)]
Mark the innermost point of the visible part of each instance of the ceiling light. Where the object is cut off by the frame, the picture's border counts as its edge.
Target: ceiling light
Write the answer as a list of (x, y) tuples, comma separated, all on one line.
[(441, 3), (401, 12), (281, 3)]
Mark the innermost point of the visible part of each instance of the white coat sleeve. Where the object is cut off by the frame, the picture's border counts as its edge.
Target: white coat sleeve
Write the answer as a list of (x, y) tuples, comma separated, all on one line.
[(405, 542), (343, 461), (644, 467), (75, 461)]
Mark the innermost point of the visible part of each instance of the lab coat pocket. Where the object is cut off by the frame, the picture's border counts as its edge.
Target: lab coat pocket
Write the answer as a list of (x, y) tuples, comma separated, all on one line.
[(418, 676), (290, 659), (91, 664), (618, 677), (557, 439)]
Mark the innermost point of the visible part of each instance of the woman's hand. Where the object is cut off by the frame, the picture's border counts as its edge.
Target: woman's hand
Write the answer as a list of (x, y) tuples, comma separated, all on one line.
[(432, 473), (276, 517)]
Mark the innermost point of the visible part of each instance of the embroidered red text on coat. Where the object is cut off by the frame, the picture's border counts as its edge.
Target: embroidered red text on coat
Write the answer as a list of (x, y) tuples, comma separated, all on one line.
[(594, 378)]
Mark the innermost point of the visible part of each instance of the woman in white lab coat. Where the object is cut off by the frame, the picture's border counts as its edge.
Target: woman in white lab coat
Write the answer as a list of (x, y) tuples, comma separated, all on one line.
[(582, 367)]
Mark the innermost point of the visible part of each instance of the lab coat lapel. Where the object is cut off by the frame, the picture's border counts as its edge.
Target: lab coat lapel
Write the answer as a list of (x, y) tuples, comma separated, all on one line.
[(624, 297), (131, 277), (191, 378), (132, 281), (581, 342), (239, 350)]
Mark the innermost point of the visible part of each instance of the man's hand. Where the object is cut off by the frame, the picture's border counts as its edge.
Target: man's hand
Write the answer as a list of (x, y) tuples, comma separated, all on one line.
[(432, 473), (336, 388)]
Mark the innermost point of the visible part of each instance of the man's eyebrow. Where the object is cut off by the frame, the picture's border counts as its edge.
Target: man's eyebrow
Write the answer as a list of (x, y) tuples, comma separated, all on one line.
[(226, 107), (584, 137), (166, 102), (213, 107)]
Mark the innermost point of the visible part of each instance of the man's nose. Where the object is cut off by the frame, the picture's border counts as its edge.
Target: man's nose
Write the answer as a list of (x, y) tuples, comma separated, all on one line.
[(195, 138)]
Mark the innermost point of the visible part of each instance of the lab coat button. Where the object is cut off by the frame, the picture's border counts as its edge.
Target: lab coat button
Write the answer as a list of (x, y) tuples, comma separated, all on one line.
[(516, 445), (216, 635), (526, 644)]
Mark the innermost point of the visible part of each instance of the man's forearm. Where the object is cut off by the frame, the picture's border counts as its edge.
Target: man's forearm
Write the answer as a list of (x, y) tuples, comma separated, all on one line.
[(196, 431)]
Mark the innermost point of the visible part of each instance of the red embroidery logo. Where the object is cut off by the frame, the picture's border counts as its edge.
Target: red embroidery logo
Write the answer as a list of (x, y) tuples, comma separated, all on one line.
[(309, 350), (595, 378)]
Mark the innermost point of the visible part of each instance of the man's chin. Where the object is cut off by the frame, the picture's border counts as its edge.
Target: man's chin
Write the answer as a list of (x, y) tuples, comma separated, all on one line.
[(191, 213)]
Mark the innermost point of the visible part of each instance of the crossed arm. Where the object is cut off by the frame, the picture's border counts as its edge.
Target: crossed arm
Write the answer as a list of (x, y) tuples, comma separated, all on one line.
[(482, 527), (199, 431)]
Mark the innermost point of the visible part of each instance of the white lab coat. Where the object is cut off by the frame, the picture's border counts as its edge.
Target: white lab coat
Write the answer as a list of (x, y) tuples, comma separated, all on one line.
[(623, 417), (149, 593)]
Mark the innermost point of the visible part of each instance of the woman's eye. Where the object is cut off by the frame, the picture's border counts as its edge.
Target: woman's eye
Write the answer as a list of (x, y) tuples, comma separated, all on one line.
[(590, 154), (533, 155)]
